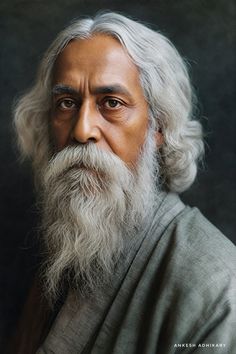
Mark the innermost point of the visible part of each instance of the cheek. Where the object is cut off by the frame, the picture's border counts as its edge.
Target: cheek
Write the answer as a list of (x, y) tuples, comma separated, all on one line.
[(128, 141), (138, 130), (135, 142), (60, 132)]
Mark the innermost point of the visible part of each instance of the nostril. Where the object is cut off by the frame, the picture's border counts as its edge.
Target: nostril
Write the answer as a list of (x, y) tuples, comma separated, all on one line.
[(92, 140), (75, 141)]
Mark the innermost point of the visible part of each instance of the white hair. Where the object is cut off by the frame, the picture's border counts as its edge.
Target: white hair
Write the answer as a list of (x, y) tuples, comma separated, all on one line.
[(166, 86)]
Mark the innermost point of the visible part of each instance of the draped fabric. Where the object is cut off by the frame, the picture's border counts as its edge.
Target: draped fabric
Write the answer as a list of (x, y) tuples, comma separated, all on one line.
[(173, 290)]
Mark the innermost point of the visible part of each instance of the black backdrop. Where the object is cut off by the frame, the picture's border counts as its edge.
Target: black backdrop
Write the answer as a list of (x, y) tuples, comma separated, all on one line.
[(204, 33)]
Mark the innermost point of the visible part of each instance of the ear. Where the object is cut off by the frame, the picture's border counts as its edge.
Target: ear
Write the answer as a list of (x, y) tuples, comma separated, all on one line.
[(159, 138)]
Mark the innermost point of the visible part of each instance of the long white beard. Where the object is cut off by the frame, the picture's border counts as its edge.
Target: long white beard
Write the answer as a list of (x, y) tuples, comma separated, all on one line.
[(91, 200)]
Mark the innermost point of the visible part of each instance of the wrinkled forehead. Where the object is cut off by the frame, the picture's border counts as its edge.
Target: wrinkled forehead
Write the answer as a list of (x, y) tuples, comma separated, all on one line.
[(100, 57)]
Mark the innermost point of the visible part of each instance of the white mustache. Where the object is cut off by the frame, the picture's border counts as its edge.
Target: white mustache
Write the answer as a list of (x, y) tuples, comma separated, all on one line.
[(87, 157)]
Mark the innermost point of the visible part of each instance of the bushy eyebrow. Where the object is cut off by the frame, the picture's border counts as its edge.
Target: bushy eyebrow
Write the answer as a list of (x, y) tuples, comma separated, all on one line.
[(112, 89), (60, 89)]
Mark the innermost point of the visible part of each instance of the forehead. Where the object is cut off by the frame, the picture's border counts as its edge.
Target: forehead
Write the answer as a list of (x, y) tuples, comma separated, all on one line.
[(100, 58)]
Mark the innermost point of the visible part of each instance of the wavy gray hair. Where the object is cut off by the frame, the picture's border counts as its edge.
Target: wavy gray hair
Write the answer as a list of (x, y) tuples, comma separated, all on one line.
[(166, 86)]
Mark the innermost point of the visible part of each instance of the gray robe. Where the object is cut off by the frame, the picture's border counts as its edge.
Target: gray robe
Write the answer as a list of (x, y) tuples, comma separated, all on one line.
[(174, 290)]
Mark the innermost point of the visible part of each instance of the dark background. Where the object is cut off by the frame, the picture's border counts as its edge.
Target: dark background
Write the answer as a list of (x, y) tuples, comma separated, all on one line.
[(204, 33)]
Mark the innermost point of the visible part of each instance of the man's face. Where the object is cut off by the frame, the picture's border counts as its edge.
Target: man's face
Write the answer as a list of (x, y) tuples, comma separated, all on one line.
[(92, 198), (97, 97)]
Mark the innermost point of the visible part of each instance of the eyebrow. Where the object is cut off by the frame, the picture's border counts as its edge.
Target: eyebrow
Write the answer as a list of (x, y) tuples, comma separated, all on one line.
[(60, 89), (109, 89), (106, 89)]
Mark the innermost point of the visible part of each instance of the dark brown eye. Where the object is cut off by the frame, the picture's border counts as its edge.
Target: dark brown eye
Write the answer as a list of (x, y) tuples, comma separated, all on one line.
[(67, 104), (112, 103)]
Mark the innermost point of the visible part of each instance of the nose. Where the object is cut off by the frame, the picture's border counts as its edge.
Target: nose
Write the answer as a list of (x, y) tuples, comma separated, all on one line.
[(86, 125)]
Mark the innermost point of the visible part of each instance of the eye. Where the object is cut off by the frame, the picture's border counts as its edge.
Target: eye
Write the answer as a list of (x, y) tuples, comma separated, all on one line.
[(66, 104), (111, 103)]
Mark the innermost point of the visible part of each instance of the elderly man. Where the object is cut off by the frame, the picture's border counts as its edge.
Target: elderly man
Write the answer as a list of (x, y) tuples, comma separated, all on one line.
[(128, 268)]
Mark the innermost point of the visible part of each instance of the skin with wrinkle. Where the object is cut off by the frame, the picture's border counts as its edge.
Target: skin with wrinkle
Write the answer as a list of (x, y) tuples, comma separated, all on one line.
[(97, 97)]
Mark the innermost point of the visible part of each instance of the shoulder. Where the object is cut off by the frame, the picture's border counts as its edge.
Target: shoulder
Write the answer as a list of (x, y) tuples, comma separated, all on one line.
[(200, 260), (197, 274), (199, 240)]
